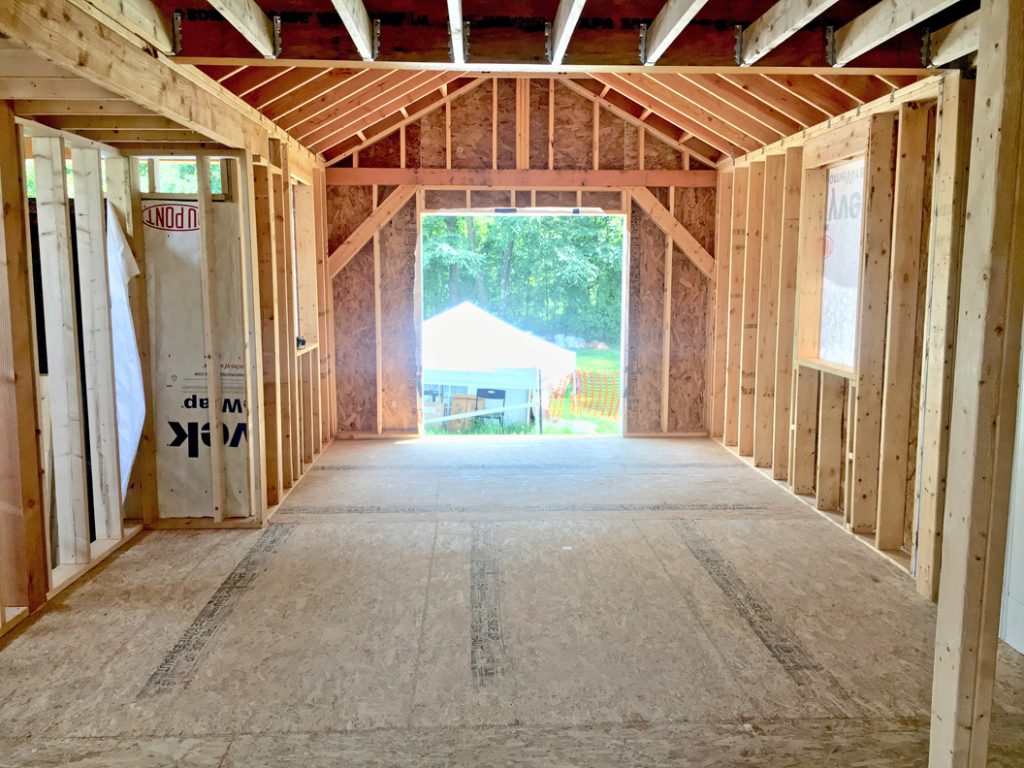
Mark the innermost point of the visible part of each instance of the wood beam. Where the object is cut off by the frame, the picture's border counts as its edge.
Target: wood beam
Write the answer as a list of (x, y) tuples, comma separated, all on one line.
[(523, 179), (250, 20), (908, 228), (566, 17), (672, 227), (381, 215), (750, 298), (778, 24), (737, 243), (75, 40), (874, 293), (949, 199), (143, 18), (723, 224), (952, 42), (880, 23), (20, 469), (61, 322), (668, 25), (456, 32), (97, 342), (984, 415), (357, 21)]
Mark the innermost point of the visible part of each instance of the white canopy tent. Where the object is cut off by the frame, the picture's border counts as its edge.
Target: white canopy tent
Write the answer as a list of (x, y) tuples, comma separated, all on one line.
[(467, 347)]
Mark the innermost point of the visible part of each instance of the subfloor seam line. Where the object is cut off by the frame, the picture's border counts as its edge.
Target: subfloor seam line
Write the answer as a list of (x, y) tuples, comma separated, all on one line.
[(180, 662), (423, 628)]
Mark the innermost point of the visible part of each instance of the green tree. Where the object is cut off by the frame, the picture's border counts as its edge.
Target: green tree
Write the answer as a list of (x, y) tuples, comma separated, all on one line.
[(546, 274)]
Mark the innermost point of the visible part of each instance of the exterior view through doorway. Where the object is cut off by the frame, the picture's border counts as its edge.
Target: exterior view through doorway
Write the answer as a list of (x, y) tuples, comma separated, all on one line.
[(523, 322)]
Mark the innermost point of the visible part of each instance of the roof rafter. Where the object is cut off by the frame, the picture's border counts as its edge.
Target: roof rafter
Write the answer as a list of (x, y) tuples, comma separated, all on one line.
[(662, 129), (411, 91), (668, 25), (655, 97), (250, 20), (382, 128)]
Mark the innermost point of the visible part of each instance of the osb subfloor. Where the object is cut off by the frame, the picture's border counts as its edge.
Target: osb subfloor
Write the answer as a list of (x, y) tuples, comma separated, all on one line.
[(485, 603)]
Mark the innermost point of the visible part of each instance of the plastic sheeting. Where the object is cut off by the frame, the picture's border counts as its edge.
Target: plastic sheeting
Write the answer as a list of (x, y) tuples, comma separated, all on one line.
[(129, 395)]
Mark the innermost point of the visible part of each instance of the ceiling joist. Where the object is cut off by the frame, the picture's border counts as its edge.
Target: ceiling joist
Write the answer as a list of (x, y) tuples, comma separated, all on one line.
[(250, 20), (566, 18), (667, 26), (143, 18), (456, 32), (880, 23), (777, 25), (959, 39), (357, 21)]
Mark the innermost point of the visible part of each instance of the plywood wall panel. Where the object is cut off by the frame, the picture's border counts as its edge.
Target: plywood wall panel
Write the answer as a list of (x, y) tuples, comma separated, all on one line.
[(355, 344), (347, 208), (645, 306), (399, 343), (574, 130), (471, 128)]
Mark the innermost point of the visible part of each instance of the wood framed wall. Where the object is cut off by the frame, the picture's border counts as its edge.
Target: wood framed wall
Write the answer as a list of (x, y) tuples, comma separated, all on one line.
[(851, 439), (548, 147)]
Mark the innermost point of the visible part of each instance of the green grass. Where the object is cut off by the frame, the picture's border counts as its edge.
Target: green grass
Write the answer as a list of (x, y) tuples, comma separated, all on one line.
[(603, 361), (598, 359)]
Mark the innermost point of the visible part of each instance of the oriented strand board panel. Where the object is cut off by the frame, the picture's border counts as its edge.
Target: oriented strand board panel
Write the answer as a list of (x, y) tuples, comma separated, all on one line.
[(385, 153), (491, 198), (645, 304), (471, 128), (554, 198), (431, 140), (538, 123), (660, 156), (412, 145), (688, 350), (574, 130), (611, 141), (347, 208), (355, 344), (399, 342), (440, 199), (506, 123)]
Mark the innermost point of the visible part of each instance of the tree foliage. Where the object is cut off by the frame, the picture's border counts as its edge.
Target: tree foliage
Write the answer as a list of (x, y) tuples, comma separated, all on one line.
[(546, 274)]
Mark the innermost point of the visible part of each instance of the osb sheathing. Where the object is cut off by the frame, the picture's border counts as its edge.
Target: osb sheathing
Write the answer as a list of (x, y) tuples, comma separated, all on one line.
[(386, 153), (611, 149), (471, 128), (347, 208), (506, 123), (539, 123), (645, 306), (573, 147), (574, 135), (355, 345), (399, 340)]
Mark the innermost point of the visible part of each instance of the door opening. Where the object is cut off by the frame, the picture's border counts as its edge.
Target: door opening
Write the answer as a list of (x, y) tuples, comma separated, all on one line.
[(523, 322)]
